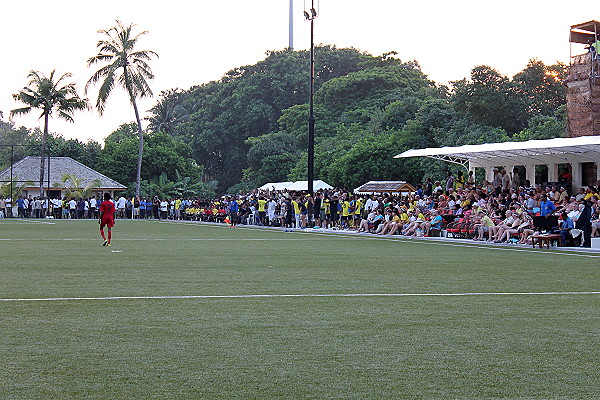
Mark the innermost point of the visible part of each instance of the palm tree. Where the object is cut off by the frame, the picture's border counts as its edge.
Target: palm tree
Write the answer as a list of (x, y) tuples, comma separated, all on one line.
[(167, 112), (14, 188), (74, 186), (46, 94), (124, 67)]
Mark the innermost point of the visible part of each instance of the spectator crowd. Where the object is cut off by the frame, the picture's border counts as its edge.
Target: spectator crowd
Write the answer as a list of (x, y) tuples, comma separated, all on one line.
[(503, 210)]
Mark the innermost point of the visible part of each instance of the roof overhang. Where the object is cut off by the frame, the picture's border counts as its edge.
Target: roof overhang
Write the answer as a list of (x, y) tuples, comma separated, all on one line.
[(529, 152), (584, 33)]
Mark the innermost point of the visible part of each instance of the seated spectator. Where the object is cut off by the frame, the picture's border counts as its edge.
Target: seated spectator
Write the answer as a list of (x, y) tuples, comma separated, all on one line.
[(483, 226), (525, 222), (567, 224), (495, 231), (434, 222)]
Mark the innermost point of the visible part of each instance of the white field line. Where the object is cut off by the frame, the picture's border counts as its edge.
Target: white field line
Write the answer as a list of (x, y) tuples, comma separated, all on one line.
[(271, 296), (19, 221)]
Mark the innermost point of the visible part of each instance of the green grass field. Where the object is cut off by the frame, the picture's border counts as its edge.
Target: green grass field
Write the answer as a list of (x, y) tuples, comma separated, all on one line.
[(304, 347)]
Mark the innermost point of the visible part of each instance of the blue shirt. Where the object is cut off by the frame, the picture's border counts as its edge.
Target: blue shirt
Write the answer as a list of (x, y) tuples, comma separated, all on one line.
[(568, 223), (546, 207), (233, 206)]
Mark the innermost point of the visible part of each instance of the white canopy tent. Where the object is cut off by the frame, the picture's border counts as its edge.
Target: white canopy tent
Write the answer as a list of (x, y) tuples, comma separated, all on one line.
[(275, 186), (298, 185), (550, 152), (303, 185)]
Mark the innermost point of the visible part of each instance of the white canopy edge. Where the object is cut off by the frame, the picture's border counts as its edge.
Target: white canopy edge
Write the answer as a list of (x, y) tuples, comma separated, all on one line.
[(504, 150), (298, 185)]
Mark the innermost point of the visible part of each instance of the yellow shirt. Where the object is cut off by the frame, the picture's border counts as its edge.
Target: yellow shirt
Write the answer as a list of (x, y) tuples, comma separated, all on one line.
[(296, 207), (345, 207), (261, 205), (358, 207), (487, 221)]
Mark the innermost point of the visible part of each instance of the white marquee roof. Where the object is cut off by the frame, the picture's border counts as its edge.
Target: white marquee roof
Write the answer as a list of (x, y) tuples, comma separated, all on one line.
[(298, 185), (531, 151)]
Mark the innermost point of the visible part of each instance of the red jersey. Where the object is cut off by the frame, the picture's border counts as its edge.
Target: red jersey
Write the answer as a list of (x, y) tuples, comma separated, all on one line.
[(107, 210)]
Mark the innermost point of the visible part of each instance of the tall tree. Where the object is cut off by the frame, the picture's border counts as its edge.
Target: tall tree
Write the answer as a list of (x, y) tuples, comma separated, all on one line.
[(47, 94), (125, 67)]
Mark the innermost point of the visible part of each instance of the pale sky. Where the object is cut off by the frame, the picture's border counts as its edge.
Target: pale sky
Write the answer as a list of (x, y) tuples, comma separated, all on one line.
[(198, 41)]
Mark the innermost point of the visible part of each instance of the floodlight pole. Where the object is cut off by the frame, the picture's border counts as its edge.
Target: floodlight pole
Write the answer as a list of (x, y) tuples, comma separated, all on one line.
[(311, 117), (291, 26)]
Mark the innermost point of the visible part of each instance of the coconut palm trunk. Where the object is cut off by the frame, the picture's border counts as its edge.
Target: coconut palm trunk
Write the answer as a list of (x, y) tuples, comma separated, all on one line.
[(43, 153), (138, 176)]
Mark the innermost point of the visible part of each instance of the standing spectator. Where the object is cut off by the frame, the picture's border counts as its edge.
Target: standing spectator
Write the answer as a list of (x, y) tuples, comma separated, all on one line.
[(497, 182), (271, 210), (72, 208), (80, 208), (234, 207), (8, 207), (92, 210), (584, 222), (155, 207), (505, 181), (449, 182), (164, 208), (143, 208), (149, 208), (121, 203), (516, 180), (428, 188), (21, 207), (57, 208), (333, 209), (471, 179), (262, 211)]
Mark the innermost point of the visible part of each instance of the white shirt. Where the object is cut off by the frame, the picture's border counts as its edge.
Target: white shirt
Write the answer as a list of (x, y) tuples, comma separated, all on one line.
[(121, 202)]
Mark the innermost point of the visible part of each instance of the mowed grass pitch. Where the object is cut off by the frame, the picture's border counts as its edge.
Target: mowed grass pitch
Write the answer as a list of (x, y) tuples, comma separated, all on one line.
[(481, 346)]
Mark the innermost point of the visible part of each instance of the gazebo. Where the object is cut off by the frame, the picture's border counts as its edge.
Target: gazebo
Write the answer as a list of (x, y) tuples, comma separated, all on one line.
[(28, 170), (385, 187)]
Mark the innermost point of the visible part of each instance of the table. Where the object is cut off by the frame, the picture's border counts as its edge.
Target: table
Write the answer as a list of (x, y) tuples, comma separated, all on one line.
[(547, 239)]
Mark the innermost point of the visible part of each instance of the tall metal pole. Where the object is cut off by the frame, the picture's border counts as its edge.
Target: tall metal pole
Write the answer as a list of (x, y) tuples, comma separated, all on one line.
[(311, 116), (291, 44), (12, 162)]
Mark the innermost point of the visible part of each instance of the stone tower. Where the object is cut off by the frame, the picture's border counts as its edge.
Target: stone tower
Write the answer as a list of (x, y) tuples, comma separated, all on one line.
[(583, 81)]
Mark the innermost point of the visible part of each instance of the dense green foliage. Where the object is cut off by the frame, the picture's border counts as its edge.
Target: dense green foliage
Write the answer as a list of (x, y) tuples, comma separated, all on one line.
[(250, 127)]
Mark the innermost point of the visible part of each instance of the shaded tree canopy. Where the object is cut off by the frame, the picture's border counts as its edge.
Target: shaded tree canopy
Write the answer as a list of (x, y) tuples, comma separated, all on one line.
[(250, 127)]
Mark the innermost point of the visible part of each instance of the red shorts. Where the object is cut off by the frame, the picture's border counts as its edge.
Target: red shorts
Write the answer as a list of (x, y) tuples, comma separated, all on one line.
[(107, 222)]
